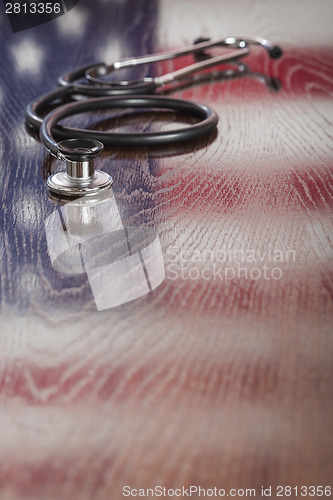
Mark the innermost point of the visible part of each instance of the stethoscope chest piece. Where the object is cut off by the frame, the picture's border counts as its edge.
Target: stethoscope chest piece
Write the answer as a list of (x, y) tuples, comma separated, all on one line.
[(80, 177)]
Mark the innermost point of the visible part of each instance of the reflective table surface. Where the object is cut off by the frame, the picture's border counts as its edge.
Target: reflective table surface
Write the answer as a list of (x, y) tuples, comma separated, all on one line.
[(175, 332)]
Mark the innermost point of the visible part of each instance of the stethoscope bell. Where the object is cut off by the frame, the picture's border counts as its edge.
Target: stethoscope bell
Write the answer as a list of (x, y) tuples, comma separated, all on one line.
[(80, 177)]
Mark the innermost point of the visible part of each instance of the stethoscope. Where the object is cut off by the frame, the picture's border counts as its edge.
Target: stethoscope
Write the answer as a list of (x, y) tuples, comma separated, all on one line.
[(79, 147)]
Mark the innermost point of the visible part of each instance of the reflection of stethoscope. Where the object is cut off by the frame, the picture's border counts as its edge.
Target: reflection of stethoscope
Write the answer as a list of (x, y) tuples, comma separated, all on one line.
[(122, 262), (79, 147)]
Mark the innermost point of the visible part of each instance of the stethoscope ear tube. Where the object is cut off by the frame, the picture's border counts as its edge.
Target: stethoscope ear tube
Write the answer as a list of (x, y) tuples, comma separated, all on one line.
[(72, 79)]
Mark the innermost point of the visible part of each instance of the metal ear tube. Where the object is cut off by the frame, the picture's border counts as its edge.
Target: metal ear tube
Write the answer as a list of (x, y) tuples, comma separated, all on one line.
[(274, 51)]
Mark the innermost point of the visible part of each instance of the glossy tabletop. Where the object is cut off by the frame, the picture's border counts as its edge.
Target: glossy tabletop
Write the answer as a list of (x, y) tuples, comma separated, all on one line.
[(201, 354)]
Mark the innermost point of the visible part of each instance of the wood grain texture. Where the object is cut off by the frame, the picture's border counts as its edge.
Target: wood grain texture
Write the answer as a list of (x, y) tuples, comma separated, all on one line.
[(212, 379)]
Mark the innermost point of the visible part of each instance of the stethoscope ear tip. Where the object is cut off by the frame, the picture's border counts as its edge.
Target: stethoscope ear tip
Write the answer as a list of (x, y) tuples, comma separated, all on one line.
[(274, 84), (275, 52), (201, 39)]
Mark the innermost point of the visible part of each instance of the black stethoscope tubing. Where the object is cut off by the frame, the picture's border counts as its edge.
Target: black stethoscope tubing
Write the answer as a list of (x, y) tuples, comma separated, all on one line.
[(107, 97), (69, 87), (208, 121), (97, 88)]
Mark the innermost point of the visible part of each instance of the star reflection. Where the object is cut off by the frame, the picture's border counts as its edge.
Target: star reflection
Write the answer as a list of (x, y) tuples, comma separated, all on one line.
[(28, 56), (73, 24)]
